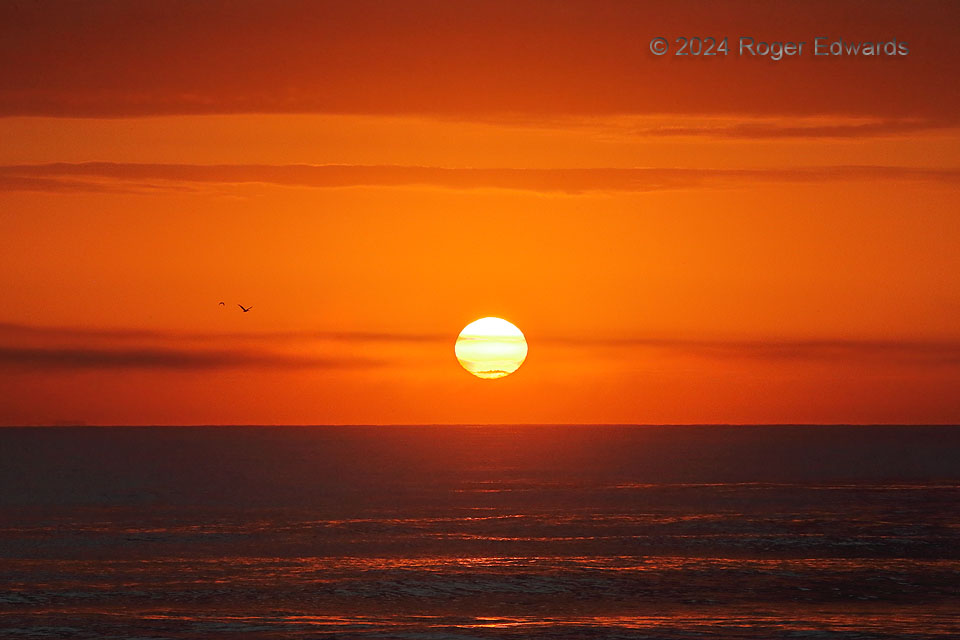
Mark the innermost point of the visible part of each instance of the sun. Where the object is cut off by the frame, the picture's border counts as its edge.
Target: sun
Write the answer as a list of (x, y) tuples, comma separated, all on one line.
[(491, 348)]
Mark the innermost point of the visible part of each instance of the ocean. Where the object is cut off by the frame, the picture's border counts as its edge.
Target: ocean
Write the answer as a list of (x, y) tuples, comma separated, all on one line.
[(480, 532)]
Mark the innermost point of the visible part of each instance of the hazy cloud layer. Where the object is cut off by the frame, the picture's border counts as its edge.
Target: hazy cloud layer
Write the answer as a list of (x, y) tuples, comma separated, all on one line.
[(108, 58), (101, 176)]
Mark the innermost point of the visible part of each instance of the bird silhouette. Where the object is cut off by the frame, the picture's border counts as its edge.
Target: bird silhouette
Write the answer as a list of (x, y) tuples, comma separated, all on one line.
[(221, 304), (245, 309)]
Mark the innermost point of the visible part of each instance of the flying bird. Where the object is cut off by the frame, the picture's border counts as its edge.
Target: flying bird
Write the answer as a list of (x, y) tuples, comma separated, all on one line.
[(245, 309), (221, 304)]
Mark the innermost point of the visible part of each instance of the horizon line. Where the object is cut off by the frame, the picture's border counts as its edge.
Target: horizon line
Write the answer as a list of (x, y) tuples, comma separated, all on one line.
[(489, 424)]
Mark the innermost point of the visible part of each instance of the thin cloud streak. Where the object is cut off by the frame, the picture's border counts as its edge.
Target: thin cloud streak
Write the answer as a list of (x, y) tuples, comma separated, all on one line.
[(635, 127), (102, 176), (906, 351), (165, 359), (763, 131), (15, 330)]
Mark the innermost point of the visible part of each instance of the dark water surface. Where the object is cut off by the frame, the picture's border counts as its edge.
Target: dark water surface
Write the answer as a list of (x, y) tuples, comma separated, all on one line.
[(480, 532)]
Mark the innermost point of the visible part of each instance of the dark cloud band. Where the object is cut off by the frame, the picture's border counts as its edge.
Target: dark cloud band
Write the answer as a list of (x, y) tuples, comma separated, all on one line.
[(28, 347), (164, 359), (106, 58)]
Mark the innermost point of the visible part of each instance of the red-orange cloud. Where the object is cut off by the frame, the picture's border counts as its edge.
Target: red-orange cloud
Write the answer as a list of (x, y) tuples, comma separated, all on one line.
[(466, 59)]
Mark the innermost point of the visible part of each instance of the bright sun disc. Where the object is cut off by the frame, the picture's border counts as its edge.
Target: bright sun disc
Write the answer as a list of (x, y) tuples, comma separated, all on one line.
[(491, 348)]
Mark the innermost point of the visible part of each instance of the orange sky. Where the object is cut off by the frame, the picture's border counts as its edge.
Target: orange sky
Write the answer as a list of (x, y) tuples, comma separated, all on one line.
[(680, 239)]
